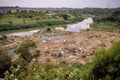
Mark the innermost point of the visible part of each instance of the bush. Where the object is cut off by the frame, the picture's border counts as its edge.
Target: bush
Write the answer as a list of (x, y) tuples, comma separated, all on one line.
[(5, 62), (106, 65), (23, 49), (3, 38), (46, 71)]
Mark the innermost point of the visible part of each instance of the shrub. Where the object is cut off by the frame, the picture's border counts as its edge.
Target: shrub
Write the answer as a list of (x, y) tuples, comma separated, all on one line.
[(5, 62), (23, 49), (106, 65)]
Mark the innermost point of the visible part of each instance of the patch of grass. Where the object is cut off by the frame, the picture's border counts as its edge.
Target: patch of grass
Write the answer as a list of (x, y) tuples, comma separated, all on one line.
[(105, 26)]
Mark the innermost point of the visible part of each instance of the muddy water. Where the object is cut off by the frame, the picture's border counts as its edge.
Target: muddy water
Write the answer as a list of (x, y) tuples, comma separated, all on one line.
[(22, 34), (11, 51), (52, 37)]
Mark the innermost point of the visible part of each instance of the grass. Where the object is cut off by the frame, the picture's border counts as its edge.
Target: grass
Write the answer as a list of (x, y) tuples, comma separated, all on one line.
[(19, 18), (12, 22), (105, 26)]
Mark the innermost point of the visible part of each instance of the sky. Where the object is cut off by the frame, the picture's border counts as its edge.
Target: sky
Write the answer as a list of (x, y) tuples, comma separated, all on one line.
[(62, 3)]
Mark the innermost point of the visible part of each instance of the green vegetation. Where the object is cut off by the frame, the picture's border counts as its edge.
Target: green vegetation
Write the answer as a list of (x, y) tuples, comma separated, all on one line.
[(22, 20), (6, 27), (47, 71), (23, 49), (112, 17), (105, 65), (109, 22), (3, 38), (105, 26), (5, 62)]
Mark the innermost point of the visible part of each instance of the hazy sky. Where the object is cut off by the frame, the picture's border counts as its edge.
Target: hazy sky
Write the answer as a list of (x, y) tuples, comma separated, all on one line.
[(62, 3)]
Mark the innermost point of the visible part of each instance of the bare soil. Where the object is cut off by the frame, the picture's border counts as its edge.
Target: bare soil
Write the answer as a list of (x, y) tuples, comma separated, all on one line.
[(74, 47)]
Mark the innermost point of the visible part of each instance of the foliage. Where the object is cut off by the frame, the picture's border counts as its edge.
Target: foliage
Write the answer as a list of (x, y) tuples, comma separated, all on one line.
[(77, 19), (47, 71), (112, 17), (21, 20), (3, 37), (65, 16), (23, 49), (5, 62), (105, 26), (105, 65), (5, 27)]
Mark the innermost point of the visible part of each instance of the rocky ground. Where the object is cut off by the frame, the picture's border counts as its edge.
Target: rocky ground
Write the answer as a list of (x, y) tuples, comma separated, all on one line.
[(74, 47)]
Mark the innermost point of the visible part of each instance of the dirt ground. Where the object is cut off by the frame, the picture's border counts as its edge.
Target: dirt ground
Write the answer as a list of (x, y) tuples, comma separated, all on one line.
[(74, 47)]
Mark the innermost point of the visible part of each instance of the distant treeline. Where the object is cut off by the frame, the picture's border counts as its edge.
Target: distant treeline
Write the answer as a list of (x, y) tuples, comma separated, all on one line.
[(73, 10), (113, 17), (94, 11)]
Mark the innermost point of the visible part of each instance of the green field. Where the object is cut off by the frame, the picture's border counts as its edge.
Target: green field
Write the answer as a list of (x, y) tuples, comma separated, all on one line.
[(23, 20)]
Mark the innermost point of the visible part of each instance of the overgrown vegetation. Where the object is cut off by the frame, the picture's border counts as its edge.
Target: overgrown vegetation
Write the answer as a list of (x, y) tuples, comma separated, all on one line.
[(23, 50), (5, 62), (3, 38), (109, 22), (105, 65)]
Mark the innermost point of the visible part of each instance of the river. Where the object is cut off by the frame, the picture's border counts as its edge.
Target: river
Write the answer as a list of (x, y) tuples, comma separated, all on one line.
[(83, 25)]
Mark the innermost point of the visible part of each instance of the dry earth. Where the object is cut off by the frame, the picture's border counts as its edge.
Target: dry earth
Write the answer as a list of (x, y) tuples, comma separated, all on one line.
[(74, 47)]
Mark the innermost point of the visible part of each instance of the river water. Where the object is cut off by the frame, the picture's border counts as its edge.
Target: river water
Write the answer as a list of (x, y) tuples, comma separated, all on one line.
[(83, 25), (22, 34), (52, 37)]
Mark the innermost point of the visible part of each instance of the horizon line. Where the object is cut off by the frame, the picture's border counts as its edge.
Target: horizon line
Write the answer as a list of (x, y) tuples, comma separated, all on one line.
[(60, 7)]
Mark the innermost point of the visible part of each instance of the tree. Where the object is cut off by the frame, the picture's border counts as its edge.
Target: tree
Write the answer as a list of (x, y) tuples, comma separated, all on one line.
[(65, 17)]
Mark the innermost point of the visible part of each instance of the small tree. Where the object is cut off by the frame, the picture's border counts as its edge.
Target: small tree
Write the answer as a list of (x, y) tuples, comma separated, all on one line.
[(65, 17)]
